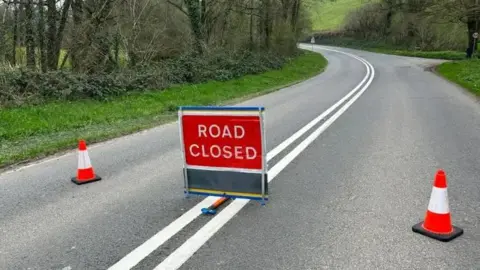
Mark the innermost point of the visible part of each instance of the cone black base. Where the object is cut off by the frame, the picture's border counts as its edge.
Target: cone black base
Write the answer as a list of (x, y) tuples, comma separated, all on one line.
[(78, 182), (441, 237)]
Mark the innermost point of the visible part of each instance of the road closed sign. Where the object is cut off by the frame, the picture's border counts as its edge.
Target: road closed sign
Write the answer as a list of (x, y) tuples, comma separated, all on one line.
[(224, 151)]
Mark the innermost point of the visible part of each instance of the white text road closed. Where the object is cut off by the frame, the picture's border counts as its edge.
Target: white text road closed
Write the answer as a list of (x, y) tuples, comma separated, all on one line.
[(222, 141), (225, 151)]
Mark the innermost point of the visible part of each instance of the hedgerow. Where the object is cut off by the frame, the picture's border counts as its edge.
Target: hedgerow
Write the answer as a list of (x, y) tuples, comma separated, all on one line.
[(23, 86)]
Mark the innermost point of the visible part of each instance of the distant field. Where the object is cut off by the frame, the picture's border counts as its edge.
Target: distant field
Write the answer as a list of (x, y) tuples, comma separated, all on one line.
[(330, 14)]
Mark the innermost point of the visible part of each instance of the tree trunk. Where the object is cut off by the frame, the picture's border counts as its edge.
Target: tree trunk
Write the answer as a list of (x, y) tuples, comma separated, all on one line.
[(29, 35), (267, 23), (193, 8), (224, 25), (52, 61), (2, 36), (251, 25), (21, 24), (93, 53), (77, 38), (117, 48), (132, 57), (15, 33), (203, 12), (60, 30), (130, 46), (285, 9), (41, 35), (294, 18), (388, 20), (260, 23)]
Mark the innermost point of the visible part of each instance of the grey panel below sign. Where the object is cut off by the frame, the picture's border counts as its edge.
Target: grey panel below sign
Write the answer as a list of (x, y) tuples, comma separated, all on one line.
[(226, 181)]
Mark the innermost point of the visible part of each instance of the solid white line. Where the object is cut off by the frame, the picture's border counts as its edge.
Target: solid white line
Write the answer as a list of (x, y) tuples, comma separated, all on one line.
[(184, 252), (187, 249), (138, 254), (319, 118), (142, 251)]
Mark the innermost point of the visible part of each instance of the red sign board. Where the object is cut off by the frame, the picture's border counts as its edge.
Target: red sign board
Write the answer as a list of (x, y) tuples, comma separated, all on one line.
[(228, 141)]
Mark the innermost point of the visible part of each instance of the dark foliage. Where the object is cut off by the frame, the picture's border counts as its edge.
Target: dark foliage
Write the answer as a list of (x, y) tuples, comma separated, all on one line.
[(24, 86)]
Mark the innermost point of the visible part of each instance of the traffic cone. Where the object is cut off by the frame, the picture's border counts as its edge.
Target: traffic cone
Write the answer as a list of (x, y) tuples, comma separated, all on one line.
[(85, 173), (438, 223)]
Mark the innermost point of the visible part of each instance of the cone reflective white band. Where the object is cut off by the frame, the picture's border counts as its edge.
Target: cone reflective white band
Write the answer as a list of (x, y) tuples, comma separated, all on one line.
[(439, 201), (84, 160)]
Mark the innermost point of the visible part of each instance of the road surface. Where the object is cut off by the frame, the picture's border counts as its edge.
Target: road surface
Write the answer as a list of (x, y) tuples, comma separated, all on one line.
[(345, 201)]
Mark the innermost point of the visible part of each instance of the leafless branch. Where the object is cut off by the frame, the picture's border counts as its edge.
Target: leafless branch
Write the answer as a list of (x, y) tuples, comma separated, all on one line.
[(179, 7)]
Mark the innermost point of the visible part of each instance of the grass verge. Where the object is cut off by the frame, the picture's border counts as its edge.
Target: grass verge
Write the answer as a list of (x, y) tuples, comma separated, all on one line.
[(446, 55), (464, 73), (381, 47), (32, 132)]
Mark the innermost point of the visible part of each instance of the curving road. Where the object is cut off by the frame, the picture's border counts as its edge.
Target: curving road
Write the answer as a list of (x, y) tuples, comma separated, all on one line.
[(344, 196)]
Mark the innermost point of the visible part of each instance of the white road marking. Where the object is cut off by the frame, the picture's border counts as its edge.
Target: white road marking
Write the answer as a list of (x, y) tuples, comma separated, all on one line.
[(315, 121), (187, 249), (142, 251)]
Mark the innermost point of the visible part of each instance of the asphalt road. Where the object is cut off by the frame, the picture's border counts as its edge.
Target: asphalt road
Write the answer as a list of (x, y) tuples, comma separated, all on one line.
[(347, 202)]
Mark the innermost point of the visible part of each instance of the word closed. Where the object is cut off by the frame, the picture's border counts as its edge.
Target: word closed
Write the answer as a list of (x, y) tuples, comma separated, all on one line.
[(223, 141)]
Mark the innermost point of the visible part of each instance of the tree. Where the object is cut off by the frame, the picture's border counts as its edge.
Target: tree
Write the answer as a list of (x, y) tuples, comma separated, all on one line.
[(102, 35), (29, 34), (41, 35)]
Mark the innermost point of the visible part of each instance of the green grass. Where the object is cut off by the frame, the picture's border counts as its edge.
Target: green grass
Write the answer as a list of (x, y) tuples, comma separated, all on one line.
[(464, 73), (330, 15), (30, 132), (382, 47), (446, 55)]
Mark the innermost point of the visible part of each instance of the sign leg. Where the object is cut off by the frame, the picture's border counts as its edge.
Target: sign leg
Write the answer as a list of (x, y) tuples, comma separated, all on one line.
[(185, 178)]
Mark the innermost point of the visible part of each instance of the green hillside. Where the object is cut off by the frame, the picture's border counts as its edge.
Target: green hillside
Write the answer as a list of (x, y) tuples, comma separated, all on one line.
[(329, 15)]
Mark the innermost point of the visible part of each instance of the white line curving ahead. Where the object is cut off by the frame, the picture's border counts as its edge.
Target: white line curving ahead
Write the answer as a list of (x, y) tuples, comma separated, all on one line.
[(142, 251), (187, 249)]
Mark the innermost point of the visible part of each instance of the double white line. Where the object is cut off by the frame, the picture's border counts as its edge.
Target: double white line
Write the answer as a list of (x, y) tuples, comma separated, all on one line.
[(178, 257)]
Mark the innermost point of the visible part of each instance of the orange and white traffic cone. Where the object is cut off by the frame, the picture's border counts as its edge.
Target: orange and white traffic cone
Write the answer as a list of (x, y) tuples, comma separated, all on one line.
[(85, 172), (438, 223)]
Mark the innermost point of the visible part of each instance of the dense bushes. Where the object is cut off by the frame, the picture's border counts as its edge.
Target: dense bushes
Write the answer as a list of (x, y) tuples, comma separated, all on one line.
[(401, 27), (368, 21), (19, 87), (139, 45)]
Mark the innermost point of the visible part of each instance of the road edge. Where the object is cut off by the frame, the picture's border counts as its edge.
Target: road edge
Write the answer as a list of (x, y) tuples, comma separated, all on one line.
[(461, 89), (168, 121)]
